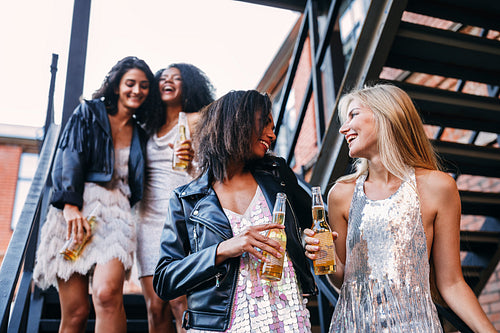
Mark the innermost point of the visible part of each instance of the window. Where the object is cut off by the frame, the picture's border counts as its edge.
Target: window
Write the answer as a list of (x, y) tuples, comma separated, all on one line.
[(27, 168)]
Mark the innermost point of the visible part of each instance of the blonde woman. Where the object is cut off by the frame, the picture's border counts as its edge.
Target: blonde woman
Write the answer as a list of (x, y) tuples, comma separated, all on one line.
[(392, 217)]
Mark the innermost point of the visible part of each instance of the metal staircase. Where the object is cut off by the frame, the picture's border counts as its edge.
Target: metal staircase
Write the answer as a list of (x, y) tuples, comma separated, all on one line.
[(424, 58)]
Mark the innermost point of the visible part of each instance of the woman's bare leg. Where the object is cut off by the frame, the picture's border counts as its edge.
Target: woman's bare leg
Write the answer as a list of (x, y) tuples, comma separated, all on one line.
[(107, 296), (178, 306), (75, 305), (159, 314)]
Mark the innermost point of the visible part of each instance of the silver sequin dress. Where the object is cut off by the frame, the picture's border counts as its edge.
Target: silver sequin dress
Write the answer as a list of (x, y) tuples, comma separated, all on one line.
[(161, 179), (114, 237), (386, 280)]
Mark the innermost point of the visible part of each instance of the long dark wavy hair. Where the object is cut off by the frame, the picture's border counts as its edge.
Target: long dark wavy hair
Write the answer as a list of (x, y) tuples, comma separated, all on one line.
[(225, 131), (197, 92), (107, 91)]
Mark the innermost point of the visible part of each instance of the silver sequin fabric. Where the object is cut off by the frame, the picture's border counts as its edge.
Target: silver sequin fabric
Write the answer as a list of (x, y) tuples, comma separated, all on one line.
[(161, 179), (260, 305), (386, 280)]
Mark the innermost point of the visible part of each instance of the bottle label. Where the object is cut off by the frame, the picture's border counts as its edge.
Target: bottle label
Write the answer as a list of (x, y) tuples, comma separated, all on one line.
[(326, 253)]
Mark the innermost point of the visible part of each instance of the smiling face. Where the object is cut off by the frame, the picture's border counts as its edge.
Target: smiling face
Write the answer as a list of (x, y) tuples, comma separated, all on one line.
[(360, 131), (170, 85), (262, 143), (133, 90)]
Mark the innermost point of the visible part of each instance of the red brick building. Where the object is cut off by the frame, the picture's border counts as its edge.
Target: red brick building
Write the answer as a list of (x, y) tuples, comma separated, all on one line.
[(18, 153)]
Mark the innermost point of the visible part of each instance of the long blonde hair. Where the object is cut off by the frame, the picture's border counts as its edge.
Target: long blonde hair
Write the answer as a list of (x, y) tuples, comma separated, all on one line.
[(402, 141)]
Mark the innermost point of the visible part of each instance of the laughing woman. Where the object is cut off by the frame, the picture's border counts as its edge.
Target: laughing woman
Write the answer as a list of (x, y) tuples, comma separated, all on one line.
[(214, 227), (184, 88), (393, 217), (99, 162)]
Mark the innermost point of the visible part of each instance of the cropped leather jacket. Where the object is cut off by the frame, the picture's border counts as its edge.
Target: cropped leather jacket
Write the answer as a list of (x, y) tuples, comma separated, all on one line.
[(196, 224), (86, 154)]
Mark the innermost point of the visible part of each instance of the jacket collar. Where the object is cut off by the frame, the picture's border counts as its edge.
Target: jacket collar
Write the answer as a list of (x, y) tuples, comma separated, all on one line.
[(198, 186), (98, 108), (263, 172)]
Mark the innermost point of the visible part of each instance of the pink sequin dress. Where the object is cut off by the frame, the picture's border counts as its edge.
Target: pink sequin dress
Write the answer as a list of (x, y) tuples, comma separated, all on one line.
[(261, 305)]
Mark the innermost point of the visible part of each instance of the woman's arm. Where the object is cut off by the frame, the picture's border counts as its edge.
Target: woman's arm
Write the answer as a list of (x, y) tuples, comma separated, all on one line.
[(181, 269), (442, 194), (68, 175)]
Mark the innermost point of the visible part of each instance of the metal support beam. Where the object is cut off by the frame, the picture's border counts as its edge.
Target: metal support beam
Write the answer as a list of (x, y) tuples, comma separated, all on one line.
[(49, 118), (319, 110), (76, 58)]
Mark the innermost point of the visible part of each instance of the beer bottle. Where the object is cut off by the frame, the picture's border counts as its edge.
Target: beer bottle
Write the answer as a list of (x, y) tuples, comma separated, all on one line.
[(273, 267), (71, 251), (325, 260), (182, 134)]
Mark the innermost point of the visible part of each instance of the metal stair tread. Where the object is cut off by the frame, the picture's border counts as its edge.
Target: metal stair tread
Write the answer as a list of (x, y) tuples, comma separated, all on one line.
[(424, 49), (454, 109)]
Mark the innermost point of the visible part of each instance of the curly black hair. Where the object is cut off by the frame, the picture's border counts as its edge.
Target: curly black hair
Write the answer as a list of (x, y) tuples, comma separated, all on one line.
[(197, 92), (225, 128), (112, 81)]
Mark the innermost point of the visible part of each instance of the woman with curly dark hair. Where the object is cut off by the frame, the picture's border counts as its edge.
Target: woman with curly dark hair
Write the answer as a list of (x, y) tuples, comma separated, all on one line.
[(214, 230), (99, 162), (184, 90)]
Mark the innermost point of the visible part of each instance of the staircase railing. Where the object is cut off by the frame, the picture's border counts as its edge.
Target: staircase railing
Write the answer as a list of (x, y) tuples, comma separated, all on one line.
[(20, 255)]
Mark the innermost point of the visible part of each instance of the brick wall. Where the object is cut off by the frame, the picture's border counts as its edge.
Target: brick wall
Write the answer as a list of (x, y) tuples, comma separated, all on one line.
[(306, 148), (9, 169)]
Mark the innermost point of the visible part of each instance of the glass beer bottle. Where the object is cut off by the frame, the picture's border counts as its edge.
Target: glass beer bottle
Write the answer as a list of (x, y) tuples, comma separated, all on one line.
[(182, 134), (325, 260), (273, 267), (71, 251)]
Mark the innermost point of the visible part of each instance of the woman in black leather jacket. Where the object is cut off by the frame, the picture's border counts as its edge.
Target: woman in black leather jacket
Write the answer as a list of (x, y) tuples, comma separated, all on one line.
[(215, 228), (99, 163)]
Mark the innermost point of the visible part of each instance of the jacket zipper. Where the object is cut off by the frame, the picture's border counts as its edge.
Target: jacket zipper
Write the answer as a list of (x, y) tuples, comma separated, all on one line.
[(211, 228), (195, 238)]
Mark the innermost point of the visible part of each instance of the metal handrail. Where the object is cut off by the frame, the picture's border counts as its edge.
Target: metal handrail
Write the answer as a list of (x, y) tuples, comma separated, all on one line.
[(17, 258)]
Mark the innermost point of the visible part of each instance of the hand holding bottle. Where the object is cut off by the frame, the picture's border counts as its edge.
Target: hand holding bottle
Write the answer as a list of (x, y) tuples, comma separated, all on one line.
[(313, 244), (324, 258), (77, 223), (73, 247), (249, 240), (184, 150), (183, 154)]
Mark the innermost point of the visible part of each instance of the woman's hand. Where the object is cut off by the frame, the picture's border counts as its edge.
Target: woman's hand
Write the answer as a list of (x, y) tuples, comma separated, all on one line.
[(77, 223), (248, 241), (184, 150), (312, 243)]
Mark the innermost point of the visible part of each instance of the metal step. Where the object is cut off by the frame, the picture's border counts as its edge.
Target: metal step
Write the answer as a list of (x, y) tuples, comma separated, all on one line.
[(481, 203), (453, 109), (135, 309), (469, 159), (481, 242), (479, 13), (423, 49)]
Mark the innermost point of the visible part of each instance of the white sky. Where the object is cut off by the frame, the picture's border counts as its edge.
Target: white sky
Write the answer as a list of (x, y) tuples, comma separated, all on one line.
[(233, 42)]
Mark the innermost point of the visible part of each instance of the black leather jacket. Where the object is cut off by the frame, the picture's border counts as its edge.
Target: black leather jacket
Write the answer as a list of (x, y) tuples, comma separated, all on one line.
[(195, 226), (86, 154)]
